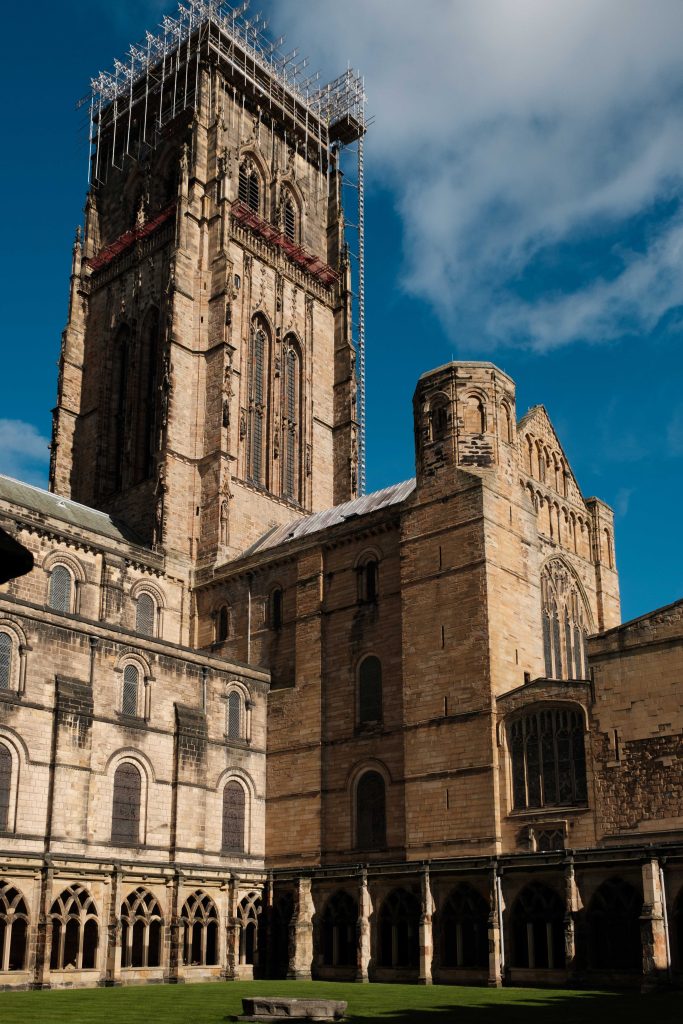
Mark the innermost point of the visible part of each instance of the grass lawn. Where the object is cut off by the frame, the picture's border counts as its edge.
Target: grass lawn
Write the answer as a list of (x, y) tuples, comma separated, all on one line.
[(219, 1003)]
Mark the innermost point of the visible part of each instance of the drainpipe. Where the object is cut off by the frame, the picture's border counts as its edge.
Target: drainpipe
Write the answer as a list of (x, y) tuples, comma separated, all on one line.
[(248, 620)]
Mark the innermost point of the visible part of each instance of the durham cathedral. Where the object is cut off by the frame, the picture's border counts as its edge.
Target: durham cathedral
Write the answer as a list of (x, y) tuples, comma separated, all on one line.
[(253, 721)]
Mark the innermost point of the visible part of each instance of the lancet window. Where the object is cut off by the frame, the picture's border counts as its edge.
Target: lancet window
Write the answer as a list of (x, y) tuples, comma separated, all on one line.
[(259, 375), (291, 445)]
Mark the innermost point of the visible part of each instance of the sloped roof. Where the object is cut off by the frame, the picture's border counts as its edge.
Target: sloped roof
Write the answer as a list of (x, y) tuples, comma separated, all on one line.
[(44, 503), (329, 517)]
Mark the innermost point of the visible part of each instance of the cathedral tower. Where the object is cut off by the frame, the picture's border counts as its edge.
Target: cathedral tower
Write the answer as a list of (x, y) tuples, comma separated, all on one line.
[(207, 383)]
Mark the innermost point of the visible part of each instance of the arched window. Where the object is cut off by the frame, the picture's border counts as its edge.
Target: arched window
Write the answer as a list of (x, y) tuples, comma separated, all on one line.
[(609, 550), (276, 608), (199, 923), (291, 446), (13, 928), (235, 713), (146, 385), (614, 927), (5, 786), (290, 218), (438, 418), (125, 821), (75, 931), (538, 928), (475, 415), (564, 622), (368, 581), (371, 823), (250, 186), (248, 915), (370, 690), (339, 930), (399, 930), (548, 758), (507, 423), (145, 615), (61, 585), (464, 929), (234, 807), (131, 691), (141, 930), (259, 390), (222, 624), (6, 646)]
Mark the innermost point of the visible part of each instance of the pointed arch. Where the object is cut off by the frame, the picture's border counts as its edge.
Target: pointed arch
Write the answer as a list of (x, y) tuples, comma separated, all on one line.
[(249, 918), (565, 620), (257, 452), (141, 929), (75, 930), (291, 418), (199, 930), (537, 920), (463, 922), (145, 400), (399, 930), (338, 927), (14, 924)]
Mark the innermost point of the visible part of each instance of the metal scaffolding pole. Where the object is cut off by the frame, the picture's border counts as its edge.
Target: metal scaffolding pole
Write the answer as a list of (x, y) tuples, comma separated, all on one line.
[(361, 321)]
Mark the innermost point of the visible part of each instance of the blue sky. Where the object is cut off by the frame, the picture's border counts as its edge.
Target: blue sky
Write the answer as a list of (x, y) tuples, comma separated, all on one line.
[(524, 205)]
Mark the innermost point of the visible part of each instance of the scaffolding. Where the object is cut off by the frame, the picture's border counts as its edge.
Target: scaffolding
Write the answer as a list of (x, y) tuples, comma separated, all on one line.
[(131, 104)]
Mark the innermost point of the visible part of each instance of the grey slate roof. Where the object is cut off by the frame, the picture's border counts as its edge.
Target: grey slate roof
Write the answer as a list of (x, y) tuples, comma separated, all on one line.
[(308, 525), (35, 499)]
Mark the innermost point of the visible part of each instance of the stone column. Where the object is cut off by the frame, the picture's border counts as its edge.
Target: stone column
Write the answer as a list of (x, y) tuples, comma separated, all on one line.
[(363, 930), (173, 936), (426, 937), (41, 944), (571, 907), (301, 933), (656, 961), (496, 965), (112, 968), (232, 934)]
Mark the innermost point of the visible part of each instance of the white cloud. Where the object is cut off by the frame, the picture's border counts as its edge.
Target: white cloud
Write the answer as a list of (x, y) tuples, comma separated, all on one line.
[(23, 452), (509, 126)]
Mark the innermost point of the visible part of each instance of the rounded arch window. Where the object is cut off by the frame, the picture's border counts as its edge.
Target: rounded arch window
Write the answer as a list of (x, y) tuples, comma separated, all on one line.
[(368, 580), (475, 415), (145, 615), (61, 589), (6, 659), (438, 418), (370, 690), (371, 819), (234, 818), (5, 787), (507, 423), (126, 805), (130, 698), (235, 715)]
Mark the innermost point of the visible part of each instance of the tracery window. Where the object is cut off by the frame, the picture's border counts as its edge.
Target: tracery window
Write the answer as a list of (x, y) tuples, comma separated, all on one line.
[(464, 929), (371, 819), (548, 758), (291, 443), (141, 930), (6, 646), (13, 928), (145, 615), (370, 690), (339, 930), (250, 186), (75, 930), (61, 585), (259, 371), (248, 915), (5, 786), (130, 698), (125, 823), (199, 923), (234, 807), (565, 622), (538, 928), (399, 930)]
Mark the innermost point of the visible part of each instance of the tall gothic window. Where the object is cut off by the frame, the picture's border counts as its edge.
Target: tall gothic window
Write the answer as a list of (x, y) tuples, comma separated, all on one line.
[(371, 818), (370, 690), (13, 928), (259, 379), (141, 927), (125, 821), (291, 446), (548, 758), (250, 186), (234, 807), (5, 786), (75, 931), (199, 924), (565, 622), (61, 585), (5, 661)]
